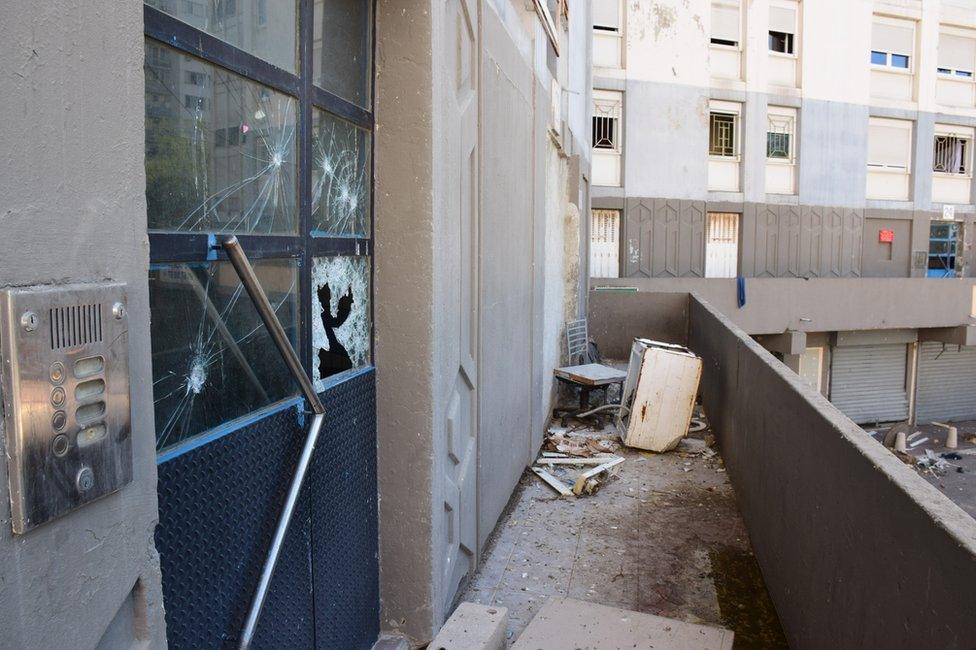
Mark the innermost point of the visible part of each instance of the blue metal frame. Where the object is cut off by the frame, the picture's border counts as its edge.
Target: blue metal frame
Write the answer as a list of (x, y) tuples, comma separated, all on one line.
[(165, 247)]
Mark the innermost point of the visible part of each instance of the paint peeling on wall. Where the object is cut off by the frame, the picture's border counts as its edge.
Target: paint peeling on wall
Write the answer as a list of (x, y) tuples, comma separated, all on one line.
[(341, 324)]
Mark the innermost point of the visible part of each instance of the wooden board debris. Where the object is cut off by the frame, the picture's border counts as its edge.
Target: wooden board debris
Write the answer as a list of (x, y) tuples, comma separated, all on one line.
[(553, 482), (585, 477)]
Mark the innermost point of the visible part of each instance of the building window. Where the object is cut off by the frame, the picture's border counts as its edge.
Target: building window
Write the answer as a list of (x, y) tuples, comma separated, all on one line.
[(781, 150), (782, 26), (726, 23), (957, 55), (607, 33), (722, 134), (780, 42), (722, 245), (943, 241), (889, 159), (606, 122), (892, 43), (951, 155), (889, 144), (607, 137), (779, 136), (605, 243), (230, 152)]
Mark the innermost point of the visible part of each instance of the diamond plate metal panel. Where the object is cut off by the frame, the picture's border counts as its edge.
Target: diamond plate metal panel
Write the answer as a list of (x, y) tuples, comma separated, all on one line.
[(344, 520), (218, 507)]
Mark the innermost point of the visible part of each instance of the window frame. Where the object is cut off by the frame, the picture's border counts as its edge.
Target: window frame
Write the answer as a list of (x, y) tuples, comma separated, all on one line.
[(790, 115), (735, 46), (952, 74), (908, 125), (967, 137), (304, 245), (911, 56), (735, 111), (614, 102), (793, 36)]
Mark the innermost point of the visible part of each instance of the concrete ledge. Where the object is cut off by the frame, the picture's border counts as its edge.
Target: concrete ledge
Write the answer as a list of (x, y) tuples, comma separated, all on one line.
[(962, 335), (473, 627), (789, 342)]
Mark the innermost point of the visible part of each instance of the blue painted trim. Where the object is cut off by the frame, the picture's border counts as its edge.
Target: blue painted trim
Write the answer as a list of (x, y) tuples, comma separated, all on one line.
[(228, 427), (235, 425), (330, 382)]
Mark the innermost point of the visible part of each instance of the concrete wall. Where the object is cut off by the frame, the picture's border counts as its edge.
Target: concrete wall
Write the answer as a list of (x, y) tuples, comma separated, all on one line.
[(74, 211), (478, 189), (856, 549), (774, 305)]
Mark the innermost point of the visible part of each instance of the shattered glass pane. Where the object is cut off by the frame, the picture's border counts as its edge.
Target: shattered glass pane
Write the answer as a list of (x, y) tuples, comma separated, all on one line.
[(265, 28), (341, 323), (341, 48), (220, 150), (213, 360), (340, 177)]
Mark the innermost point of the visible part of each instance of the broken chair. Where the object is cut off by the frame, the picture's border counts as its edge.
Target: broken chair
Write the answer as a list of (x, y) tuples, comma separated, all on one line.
[(587, 375)]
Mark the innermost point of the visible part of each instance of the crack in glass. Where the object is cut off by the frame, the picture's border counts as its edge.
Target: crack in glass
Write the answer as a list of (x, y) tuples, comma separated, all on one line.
[(220, 150), (213, 359), (340, 178)]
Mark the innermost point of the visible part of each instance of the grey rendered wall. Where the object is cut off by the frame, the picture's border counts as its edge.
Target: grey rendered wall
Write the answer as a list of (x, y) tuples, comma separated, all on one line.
[(856, 549), (73, 188), (464, 186), (666, 238), (774, 305)]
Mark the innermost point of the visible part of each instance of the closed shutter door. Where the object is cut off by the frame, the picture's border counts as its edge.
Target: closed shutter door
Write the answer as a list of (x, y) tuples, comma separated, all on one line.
[(868, 382), (946, 383)]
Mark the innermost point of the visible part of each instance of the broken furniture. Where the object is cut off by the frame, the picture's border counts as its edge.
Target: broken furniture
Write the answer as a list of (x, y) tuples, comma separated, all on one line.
[(587, 376), (659, 395)]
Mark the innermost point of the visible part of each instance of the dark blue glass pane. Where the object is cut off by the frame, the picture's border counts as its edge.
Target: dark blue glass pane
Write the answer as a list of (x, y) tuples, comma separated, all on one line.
[(879, 58), (899, 61)]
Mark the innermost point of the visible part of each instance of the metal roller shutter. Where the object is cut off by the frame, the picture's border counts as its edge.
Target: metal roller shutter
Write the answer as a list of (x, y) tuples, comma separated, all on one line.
[(868, 382), (946, 383)]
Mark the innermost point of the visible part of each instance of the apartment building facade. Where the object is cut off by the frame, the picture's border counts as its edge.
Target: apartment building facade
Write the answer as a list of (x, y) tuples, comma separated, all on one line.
[(813, 141)]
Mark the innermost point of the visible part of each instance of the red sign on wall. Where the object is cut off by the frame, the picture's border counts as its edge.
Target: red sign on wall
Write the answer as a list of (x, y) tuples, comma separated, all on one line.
[(886, 236)]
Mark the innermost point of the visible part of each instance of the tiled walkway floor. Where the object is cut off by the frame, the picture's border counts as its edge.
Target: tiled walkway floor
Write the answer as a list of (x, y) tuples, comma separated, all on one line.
[(665, 538)]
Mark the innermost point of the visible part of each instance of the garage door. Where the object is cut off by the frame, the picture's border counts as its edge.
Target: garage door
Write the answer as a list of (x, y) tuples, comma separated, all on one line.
[(868, 382), (946, 383)]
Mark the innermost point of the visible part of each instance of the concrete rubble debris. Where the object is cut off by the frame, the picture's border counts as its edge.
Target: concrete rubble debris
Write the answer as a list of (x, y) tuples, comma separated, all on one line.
[(577, 463), (473, 627), (568, 623)]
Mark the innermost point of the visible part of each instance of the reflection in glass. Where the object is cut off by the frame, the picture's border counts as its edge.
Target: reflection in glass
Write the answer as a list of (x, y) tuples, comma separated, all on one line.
[(341, 48), (265, 28), (213, 359), (341, 323), (220, 150), (340, 177)]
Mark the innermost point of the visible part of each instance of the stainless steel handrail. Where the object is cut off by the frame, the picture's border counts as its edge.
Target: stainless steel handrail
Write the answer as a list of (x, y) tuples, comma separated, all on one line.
[(250, 281)]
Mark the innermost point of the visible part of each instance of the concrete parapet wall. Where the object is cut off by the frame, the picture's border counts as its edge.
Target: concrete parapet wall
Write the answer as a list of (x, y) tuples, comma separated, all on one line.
[(774, 305), (857, 550)]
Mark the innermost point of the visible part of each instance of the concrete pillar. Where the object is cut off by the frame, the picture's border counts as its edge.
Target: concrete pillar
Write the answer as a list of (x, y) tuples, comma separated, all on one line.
[(403, 306), (73, 186)]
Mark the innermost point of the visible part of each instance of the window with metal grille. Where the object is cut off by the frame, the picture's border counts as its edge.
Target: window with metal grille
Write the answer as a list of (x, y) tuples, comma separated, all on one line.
[(951, 155), (779, 137), (604, 132), (722, 139), (606, 121)]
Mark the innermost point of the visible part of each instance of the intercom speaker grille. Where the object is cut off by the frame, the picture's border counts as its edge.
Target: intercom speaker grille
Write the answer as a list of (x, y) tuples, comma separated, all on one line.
[(75, 325)]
